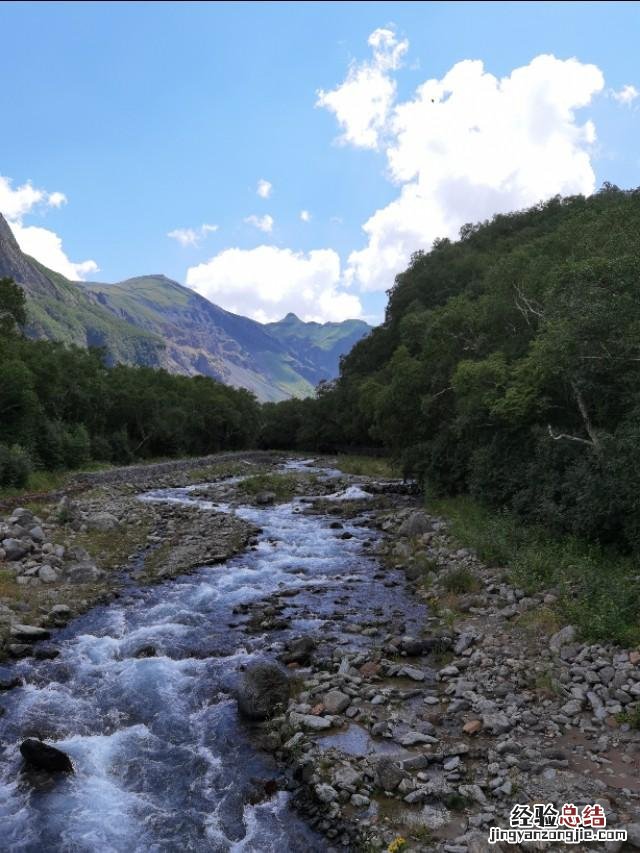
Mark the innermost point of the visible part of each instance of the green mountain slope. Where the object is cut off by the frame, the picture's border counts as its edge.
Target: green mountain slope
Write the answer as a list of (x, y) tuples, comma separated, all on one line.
[(151, 320), (319, 346), (58, 309)]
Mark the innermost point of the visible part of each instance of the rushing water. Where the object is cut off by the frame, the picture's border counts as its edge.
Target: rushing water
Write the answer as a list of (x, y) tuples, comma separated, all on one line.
[(162, 761)]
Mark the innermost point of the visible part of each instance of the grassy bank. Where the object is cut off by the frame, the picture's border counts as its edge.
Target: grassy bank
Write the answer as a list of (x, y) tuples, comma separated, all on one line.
[(598, 590), (367, 466)]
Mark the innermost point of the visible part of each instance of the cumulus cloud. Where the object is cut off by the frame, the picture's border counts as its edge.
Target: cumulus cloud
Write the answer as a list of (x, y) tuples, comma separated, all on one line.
[(363, 102), (305, 216), (192, 236), (264, 188), (41, 243), (267, 282), (45, 246), (463, 148), (262, 223), (627, 95)]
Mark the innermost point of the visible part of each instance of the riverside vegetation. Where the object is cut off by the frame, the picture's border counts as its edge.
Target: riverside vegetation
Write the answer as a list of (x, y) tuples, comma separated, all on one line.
[(506, 378)]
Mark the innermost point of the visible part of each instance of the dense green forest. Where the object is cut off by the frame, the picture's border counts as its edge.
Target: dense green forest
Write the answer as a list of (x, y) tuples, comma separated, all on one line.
[(62, 407), (507, 368)]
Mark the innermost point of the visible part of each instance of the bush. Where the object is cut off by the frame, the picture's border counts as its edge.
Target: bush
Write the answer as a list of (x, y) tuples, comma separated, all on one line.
[(15, 466)]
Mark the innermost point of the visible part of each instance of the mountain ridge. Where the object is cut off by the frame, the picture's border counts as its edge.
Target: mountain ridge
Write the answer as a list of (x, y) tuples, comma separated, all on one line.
[(154, 321)]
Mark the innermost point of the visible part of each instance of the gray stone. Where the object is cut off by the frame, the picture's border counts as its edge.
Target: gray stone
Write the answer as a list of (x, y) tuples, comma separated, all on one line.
[(387, 774), (497, 724), (265, 498), (309, 721), (572, 708), (335, 702), (326, 793), (14, 549), (562, 637), (102, 522), (47, 574), (28, 633)]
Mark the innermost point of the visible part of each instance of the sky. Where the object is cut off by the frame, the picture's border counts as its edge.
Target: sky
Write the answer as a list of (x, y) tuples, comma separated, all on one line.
[(282, 157)]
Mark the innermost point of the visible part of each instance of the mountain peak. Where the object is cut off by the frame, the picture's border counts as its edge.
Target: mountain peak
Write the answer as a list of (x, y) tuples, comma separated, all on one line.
[(291, 318), (6, 234)]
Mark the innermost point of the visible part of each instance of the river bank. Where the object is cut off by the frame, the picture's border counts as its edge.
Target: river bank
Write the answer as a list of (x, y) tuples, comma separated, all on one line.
[(427, 693)]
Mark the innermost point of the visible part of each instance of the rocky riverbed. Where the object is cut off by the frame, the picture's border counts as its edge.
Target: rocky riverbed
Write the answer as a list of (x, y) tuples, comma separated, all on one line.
[(393, 691)]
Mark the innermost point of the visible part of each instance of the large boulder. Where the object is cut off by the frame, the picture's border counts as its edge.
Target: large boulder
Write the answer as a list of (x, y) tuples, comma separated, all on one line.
[(28, 633), (102, 522), (41, 756), (264, 689), (388, 774), (14, 549), (299, 650), (265, 498)]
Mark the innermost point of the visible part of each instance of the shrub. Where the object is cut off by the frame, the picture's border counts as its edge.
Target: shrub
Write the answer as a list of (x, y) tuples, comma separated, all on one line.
[(15, 466)]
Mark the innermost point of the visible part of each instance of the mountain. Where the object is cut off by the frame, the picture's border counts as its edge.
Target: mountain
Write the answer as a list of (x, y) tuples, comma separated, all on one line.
[(318, 346), (155, 321), (61, 310)]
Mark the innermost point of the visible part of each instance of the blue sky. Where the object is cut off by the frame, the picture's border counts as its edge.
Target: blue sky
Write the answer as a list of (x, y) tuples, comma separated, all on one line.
[(157, 118)]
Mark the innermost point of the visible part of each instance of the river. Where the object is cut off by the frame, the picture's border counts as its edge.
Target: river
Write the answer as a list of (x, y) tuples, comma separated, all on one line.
[(163, 763)]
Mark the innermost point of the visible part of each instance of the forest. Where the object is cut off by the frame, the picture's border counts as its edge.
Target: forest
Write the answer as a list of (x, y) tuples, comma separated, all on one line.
[(507, 368), (63, 408)]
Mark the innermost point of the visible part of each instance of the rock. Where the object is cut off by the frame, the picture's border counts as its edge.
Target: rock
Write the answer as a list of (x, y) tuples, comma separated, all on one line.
[(359, 800), (309, 721), (387, 774), (28, 633), (299, 651), (413, 738), (413, 673), (84, 571), (472, 727), (102, 522), (21, 516), (41, 756), (47, 574), (146, 652), (415, 525), (9, 683), (61, 611), (634, 658), (335, 702), (433, 818), (265, 498), (263, 689), (572, 708), (473, 792), (326, 793), (562, 638), (37, 534), (633, 834), (497, 724), (14, 549)]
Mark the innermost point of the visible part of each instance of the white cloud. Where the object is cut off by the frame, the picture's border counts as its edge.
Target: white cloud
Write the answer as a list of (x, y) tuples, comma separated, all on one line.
[(46, 247), (263, 223), (627, 95), (463, 148), (362, 103), (191, 236), (264, 188), (267, 282), (305, 216), (41, 243)]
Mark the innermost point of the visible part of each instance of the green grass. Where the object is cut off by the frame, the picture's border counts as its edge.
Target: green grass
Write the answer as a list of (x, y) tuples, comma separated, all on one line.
[(599, 589), (367, 466), (282, 485), (460, 580)]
